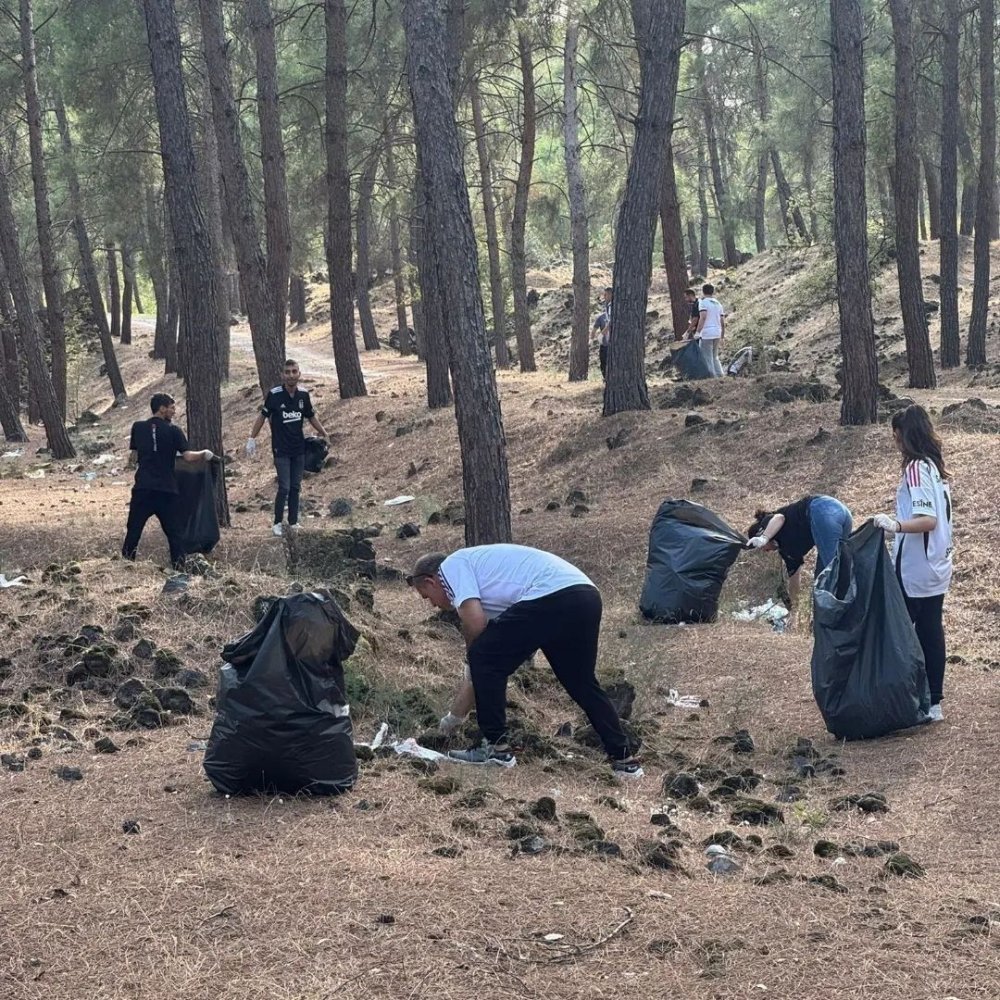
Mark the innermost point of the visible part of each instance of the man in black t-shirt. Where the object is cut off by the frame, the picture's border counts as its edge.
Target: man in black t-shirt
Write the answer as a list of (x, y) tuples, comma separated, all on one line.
[(154, 445), (691, 301), (285, 407)]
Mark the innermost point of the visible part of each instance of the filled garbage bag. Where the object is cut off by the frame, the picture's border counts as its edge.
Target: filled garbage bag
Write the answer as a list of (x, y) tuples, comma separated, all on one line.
[(690, 362), (867, 667), (196, 513), (282, 720), (690, 552), (316, 452)]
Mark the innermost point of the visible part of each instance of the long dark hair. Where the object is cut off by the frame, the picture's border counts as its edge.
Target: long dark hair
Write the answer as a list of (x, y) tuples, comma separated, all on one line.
[(917, 438), (760, 519)]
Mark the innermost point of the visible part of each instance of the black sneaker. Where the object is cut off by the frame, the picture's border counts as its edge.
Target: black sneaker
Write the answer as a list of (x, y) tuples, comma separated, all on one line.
[(627, 769), (493, 754)]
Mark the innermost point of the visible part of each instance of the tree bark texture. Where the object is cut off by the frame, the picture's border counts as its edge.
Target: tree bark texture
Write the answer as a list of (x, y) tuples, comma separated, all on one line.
[(265, 304), (673, 242), (497, 301), (790, 209), (722, 202), (11, 373), (338, 188), (703, 220), (196, 256), (172, 333), (906, 175), (932, 181), (985, 187), (395, 249), (950, 28), (10, 419), (967, 215), (29, 341), (88, 267), (692, 238), (43, 219), (297, 300), (763, 109), (859, 404), (760, 203), (363, 216), (659, 35), (579, 223), (155, 255), (128, 292), (416, 305), (114, 293), (449, 216), (522, 188)]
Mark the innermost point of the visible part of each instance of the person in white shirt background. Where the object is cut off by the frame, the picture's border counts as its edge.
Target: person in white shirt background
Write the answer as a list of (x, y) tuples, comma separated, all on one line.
[(711, 328), (922, 547)]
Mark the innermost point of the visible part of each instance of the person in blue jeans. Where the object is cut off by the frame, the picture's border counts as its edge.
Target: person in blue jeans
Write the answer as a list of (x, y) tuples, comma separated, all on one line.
[(818, 522)]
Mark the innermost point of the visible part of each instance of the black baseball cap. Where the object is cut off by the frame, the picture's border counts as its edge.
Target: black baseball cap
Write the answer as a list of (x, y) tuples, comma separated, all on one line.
[(426, 566)]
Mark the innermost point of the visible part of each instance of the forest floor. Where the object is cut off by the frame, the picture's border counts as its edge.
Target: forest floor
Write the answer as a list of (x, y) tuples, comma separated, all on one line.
[(411, 886)]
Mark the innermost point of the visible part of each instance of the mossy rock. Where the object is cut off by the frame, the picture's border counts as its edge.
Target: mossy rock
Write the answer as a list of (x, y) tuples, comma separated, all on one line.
[(756, 812)]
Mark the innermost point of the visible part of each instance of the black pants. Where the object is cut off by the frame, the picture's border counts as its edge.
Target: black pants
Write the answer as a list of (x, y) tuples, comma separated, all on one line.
[(289, 469), (925, 613), (164, 507), (602, 355), (565, 627)]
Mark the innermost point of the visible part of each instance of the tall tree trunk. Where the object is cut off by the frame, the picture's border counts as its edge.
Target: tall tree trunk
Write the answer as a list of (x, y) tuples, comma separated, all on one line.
[(673, 242), (522, 188), (416, 305), (985, 187), (136, 300), (277, 221), (919, 357), (760, 204), (10, 419), (789, 205), (155, 253), (950, 28), (88, 268), (659, 35), (497, 302), (114, 293), (11, 373), (265, 304), (27, 329), (933, 185), (722, 202), (859, 404), (43, 218), (297, 300), (967, 217), (174, 361), (477, 404), (579, 224), (692, 237), (192, 238), (128, 293), (702, 210), (338, 189), (395, 250), (763, 109), (364, 267), (808, 163)]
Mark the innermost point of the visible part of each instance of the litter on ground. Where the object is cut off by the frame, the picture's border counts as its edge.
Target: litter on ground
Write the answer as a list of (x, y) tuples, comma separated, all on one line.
[(770, 611), (396, 501), (411, 748)]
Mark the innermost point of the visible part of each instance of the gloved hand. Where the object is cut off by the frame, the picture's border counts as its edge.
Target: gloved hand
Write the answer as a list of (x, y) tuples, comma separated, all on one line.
[(757, 542), (886, 523), (208, 455), (449, 724), (251, 448)]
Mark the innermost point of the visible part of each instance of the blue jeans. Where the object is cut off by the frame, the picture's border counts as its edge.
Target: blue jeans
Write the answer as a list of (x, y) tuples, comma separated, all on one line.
[(289, 469), (830, 521)]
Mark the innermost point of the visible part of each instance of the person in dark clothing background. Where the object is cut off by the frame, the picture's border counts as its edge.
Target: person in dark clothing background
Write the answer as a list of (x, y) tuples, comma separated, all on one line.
[(818, 522), (155, 444), (285, 407)]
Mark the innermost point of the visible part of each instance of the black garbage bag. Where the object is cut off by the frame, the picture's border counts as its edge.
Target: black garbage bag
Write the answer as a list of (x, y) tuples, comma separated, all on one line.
[(282, 720), (690, 362), (867, 667), (316, 452), (690, 552), (196, 513)]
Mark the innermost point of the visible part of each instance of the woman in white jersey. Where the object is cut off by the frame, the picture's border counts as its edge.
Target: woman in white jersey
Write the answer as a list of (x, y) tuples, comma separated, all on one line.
[(922, 547)]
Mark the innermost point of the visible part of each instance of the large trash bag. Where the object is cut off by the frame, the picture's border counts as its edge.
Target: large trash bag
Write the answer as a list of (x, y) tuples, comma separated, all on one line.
[(867, 667), (690, 362), (282, 720), (196, 513), (316, 452), (690, 552)]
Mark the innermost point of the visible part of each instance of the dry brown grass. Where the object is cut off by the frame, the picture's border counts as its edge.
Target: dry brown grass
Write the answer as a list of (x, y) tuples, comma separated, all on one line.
[(280, 899)]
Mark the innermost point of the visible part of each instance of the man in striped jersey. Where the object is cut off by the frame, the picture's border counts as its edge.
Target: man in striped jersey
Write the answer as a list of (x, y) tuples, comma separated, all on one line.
[(512, 601)]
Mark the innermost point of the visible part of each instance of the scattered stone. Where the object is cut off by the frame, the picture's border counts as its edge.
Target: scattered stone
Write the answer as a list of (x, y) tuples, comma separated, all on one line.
[(192, 678), (67, 773), (739, 742), (789, 793), (12, 762), (385, 918), (576, 496), (827, 882), (699, 485), (680, 785), (778, 877), (583, 827), (870, 802), (565, 730), (723, 864), (340, 507), (779, 851), (447, 852), (612, 803), (606, 848), (664, 817), (553, 505), (724, 838), (532, 845), (820, 437), (579, 510), (440, 784), (131, 826), (106, 745), (825, 849), (165, 664), (544, 809), (129, 693), (694, 420), (176, 584), (465, 825), (473, 798), (756, 812), (144, 649), (746, 781), (660, 854), (408, 530), (176, 700), (904, 866)]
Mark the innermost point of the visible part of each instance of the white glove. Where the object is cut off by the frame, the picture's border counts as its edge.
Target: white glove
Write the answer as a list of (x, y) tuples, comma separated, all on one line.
[(886, 523), (251, 448), (449, 724), (208, 455), (757, 542)]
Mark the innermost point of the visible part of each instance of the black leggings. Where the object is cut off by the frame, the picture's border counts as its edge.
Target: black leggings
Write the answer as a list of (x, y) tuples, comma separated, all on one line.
[(565, 627), (925, 613)]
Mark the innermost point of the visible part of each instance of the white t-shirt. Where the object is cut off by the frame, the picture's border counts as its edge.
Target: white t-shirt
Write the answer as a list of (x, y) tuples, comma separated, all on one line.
[(924, 560), (712, 330), (502, 575)]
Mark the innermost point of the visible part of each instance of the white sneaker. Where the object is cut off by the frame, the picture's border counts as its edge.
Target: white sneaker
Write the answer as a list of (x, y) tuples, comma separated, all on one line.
[(935, 714), (292, 529), (276, 531)]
